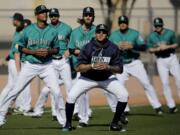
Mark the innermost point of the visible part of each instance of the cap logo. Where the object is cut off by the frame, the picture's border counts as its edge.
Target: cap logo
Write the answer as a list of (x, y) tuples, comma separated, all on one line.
[(52, 10), (102, 26), (88, 9), (157, 21), (122, 18), (42, 7)]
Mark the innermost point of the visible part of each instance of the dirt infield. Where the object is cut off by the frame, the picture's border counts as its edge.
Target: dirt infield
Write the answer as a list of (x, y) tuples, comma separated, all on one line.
[(136, 92)]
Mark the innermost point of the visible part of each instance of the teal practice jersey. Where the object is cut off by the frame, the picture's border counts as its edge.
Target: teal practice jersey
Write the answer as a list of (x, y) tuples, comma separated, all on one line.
[(131, 36), (79, 38), (167, 37), (64, 32), (34, 38), (14, 46)]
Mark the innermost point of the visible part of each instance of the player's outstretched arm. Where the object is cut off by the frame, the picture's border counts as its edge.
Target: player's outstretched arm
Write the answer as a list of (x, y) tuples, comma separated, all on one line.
[(83, 67)]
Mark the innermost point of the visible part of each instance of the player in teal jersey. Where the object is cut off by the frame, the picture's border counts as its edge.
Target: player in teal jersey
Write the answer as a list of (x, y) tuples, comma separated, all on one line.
[(38, 43), (80, 36), (60, 63), (162, 42), (130, 43), (23, 101)]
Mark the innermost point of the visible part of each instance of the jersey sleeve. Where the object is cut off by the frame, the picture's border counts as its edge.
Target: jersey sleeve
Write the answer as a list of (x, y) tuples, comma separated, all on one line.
[(22, 39), (139, 40), (72, 44), (149, 42), (173, 39), (117, 58), (83, 56), (15, 48)]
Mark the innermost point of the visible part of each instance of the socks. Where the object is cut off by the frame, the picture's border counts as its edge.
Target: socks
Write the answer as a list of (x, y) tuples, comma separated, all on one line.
[(120, 107), (69, 113)]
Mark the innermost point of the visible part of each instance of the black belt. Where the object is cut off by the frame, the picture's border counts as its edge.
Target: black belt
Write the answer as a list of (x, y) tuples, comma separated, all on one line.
[(164, 56), (58, 58)]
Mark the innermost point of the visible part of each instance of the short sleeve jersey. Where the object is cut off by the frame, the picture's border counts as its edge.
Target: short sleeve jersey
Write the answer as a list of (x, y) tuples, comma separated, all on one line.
[(131, 36), (14, 46), (79, 38), (167, 37), (64, 32), (34, 38)]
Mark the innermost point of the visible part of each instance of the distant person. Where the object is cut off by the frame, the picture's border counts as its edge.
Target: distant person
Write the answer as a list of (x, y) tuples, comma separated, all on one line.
[(162, 42)]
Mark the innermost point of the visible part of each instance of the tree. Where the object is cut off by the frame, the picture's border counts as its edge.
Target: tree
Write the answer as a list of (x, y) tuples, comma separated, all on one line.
[(109, 7)]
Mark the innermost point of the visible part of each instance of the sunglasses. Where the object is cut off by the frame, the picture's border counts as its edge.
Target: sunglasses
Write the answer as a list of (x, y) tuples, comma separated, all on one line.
[(88, 14), (158, 26), (51, 16), (101, 31)]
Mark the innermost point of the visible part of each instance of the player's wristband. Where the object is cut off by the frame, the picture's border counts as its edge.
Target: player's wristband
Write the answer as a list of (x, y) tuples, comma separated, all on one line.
[(109, 67), (92, 65)]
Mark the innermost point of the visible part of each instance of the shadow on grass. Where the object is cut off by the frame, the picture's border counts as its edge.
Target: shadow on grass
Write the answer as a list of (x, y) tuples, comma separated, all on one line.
[(29, 128), (144, 114)]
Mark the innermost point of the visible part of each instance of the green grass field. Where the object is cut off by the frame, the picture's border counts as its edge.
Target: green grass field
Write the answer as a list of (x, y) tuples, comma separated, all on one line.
[(142, 121)]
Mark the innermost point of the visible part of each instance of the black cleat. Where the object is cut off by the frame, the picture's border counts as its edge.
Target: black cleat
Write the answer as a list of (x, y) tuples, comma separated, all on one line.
[(173, 110), (54, 118), (115, 127), (81, 125), (124, 119), (67, 128), (76, 117), (159, 111)]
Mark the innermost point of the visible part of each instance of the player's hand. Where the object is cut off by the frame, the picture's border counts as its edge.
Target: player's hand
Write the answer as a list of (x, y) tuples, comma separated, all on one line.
[(66, 54), (100, 66), (125, 46), (7, 58), (42, 52), (77, 52), (163, 47)]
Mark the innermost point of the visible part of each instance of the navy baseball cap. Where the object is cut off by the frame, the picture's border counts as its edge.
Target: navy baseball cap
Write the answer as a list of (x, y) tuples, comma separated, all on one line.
[(102, 27), (158, 22), (123, 19), (88, 10), (18, 16), (41, 9), (54, 11)]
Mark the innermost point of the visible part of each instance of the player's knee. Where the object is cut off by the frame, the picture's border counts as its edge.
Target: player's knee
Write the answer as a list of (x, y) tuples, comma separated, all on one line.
[(123, 96), (71, 98), (165, 84)]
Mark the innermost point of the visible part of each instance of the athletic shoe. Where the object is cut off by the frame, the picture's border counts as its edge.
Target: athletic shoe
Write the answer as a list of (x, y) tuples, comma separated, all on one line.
[(76, 117), (54, 118), (115, 127), (82, 125), (67, 128), (124, 119), (33, 115), (2, 122), (10, 111), (173, 110), (159, 111)]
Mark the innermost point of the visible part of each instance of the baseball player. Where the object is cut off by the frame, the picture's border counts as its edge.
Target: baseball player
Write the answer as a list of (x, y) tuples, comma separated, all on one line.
[(23, 101), (97, 62), (130, 43), (60, 63), (79, 37), (162, 42), (38, 43)]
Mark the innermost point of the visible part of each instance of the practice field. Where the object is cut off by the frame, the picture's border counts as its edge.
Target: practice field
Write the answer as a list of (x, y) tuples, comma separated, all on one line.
[(142, 121)]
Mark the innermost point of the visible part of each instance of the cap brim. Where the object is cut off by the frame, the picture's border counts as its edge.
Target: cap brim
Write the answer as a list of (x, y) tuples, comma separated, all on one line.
[(43, 11), (54, 14)]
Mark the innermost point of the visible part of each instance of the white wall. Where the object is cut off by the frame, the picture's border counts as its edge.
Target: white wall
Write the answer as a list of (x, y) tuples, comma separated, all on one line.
[(70, 10)]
